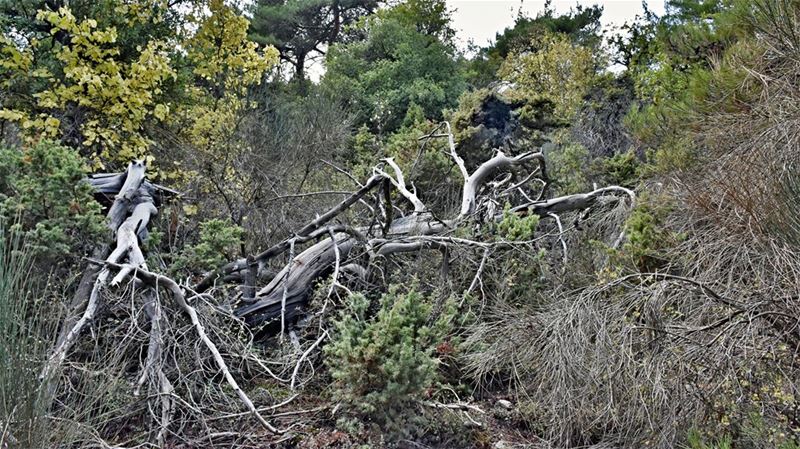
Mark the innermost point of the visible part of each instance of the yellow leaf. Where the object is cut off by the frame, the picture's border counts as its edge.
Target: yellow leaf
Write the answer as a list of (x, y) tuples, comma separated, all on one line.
[(161, 111), (190, 209), (10, 114)]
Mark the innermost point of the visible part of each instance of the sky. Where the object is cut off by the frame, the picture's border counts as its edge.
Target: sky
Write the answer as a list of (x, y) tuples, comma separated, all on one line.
[(480, 20)]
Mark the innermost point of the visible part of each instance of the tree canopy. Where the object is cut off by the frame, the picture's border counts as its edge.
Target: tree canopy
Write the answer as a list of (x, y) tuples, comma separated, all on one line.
[(301, 29)]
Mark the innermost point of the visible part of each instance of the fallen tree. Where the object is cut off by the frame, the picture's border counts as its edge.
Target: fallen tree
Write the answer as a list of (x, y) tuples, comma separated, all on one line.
[(289, 290), (325, 246)]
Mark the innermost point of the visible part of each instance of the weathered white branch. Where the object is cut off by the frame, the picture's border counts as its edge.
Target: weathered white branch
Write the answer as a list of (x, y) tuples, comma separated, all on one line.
[(286, 286), (400, 184), (560, 236), (388, 248), (499, 162), (304, 356), (153, 365), (133, 179), (126, 242), (456, 158), (477, 278), (568, 203), (281, 247), (411, 233)]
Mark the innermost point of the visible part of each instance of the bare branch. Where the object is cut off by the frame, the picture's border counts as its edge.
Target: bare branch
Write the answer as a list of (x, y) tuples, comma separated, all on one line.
[(155, 280), (400, 184), (499, 162), (304, 356)]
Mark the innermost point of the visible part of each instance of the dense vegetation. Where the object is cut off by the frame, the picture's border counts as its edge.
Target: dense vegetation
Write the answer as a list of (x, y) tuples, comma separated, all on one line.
[(514, 247)]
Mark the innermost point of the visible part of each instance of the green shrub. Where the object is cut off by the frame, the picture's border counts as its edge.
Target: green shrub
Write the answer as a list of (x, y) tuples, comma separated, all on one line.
[(219, 241), (516, 227), (382, 365), (621, 169), (568, 166), (42, 191), (647, 233), (696, 441)]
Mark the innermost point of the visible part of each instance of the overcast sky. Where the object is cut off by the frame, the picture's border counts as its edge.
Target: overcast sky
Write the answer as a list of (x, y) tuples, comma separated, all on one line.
[(480, 20)]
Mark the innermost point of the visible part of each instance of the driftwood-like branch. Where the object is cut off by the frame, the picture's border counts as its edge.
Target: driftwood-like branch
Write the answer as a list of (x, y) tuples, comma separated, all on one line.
[(127, 241), (287, 293), (578, 201), (478, 178), (153, 365), (456, 158), (283, 246), (398, 180), (303, 357), (284, 296)]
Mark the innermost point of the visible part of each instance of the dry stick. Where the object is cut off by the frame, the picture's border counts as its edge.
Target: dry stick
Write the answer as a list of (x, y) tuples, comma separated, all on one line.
[(400, 184), (125, 185), (262, 409), (464, 407), (303, 357), (179, 298), (307, 194), (5, 435), (153, 309), (342, 171), (60, 352), (524, 195), (336, 266), (126, 241), (458, 160), (286, 287), (572, 202), (454, 406), (316, 259), (519, 184), (499, 162), (424, 139), (477, 277), (702, 286), (153, 366), (560, 236), (154, 279)]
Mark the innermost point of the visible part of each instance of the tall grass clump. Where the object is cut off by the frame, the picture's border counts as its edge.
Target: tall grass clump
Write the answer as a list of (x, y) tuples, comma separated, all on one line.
[(22, 348)]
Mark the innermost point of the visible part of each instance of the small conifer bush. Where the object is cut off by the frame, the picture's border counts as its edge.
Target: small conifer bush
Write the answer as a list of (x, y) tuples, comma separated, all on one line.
[(384, 364)]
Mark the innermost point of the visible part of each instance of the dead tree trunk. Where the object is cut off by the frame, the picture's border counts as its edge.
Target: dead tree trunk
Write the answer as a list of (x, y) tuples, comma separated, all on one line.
[(323, 246), (285, 295), (127, 220), (128, 217)]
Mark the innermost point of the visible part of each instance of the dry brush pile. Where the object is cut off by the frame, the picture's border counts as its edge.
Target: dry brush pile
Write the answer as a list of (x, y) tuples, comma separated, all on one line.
[(143, 359)]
